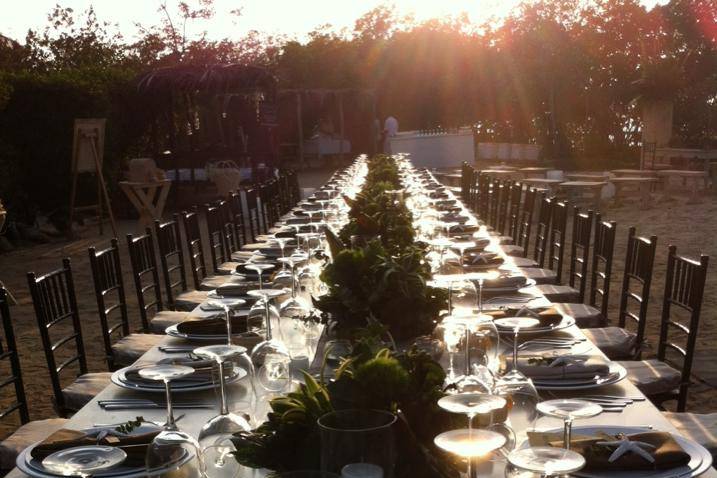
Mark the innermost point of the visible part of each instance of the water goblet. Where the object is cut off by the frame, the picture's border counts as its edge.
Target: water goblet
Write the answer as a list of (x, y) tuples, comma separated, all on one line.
[(270, 344), (569, 409), (171, 444), (84, 460)]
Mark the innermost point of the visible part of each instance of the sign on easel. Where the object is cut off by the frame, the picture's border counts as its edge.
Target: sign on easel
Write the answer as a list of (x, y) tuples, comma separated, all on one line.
[(88, 145)]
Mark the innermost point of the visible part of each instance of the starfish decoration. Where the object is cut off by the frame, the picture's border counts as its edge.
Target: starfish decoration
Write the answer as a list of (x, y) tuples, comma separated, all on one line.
[(624, 445)]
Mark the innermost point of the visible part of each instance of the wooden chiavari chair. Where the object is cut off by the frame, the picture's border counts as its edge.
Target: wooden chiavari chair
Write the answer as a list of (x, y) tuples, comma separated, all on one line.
[(555, 239)]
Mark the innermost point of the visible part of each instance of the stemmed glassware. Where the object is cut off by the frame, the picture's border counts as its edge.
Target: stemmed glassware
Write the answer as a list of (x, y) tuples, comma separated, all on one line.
[(569, 409), (470, 444), (471, 404), (227, 304), (258, 309), (294, 306), (282, 242), (215, 436), (171, 444), (515, 324), (543, 462), (270, 344), (84, 461)]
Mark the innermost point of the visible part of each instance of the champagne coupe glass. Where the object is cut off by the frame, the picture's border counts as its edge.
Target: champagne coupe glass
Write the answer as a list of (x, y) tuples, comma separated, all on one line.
[(569, 409), (471, 404), (470, 444), (215, 436), (270, 345), (171, 444), (84, 460), (543, 462)]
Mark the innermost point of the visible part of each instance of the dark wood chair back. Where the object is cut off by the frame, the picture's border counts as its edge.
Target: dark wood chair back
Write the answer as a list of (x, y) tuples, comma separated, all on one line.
[(493, 203), (484, 186), (542, 229), (110, 294), (503, 209), (684, 289), (232, 240), (8, 352), (639, 262), (195, 246), (218, 251), (171, 258), (558, 226), (525, 222), (237, 213), (145, 275), (252, 217), (601, 270), (515, 195), (53, 297), (580, 250)]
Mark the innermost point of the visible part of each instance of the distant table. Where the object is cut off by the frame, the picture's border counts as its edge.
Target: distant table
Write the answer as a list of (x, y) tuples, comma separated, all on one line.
[(639, 185), (550, 184), (694, 178), (503, 173), (502, 167), (634, 173), (591, 190), (148, 199), (534, 172)]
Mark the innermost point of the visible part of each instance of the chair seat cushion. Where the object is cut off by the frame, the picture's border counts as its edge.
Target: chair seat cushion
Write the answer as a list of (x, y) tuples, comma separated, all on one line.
[(522, 261), (615, 342), (586, 316), (652, 376), (213, 282), (131, 347), (164, 319), (559, 293), (513, 250), (254, 246), (700, 427), (541, 276), (28, 434), (84, 389), (190, 299)]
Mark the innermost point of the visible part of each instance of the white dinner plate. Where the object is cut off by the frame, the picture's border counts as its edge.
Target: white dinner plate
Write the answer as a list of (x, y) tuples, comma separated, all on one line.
[(118, 378), (617, 373), (30, 466), (700, 458)]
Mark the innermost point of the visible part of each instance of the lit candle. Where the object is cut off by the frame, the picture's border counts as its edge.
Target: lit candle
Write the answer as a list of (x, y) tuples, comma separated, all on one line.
[(361, 470)]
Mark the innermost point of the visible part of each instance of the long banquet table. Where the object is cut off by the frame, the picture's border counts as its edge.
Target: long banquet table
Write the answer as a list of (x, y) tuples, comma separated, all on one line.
[(639, 413)]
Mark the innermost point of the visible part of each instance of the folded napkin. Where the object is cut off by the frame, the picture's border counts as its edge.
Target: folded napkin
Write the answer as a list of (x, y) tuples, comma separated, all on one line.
[(216, 326), (548, 316), (450, 217), (505, 282), (465, 228), (298, 220), (286, 233), (135, 445), (666, 453), (438, 195), (203, 374), (565, 366), (251, 274), (481, 260), (276, 251)]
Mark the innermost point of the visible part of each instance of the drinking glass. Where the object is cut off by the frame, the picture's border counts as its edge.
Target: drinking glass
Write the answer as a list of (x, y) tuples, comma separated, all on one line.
[(480, 349), (227, 304), (171, 445), (215, 436), (543, 462), (84, 461), (274, 375), (270, 344), (569, 409), (294, 307), (470, 444), (453, 333), (282, 242), (471, 404), (349, 437), (515, 324)]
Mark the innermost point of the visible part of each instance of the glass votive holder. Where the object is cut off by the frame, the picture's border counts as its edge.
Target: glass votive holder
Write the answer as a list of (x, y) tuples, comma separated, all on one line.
[(356, 437)]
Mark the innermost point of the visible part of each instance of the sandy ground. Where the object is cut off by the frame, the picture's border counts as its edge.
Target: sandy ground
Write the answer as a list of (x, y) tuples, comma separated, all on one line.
[(692, 228)]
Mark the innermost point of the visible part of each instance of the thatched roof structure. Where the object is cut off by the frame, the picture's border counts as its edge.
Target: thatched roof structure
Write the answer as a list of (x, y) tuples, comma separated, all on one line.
[(218, 79)]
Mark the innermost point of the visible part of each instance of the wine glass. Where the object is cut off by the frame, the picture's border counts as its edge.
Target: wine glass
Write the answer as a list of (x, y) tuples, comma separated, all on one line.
[(569, 409), (171, 444), (470, 444), (270, 344), (515, 324), (227, 304), (480, 346), (275, 373), (543, 462), (259, 268), (463, 246), (282, 242), (84, 460), (294, 307), (471, 404), (481, 277), (215, 436)]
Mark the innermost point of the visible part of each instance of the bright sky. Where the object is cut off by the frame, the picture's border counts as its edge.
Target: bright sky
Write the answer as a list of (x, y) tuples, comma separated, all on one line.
[(290, 17)]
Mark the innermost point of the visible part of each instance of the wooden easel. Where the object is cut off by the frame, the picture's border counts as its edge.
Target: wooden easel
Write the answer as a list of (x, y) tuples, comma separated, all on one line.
[(87, 151)]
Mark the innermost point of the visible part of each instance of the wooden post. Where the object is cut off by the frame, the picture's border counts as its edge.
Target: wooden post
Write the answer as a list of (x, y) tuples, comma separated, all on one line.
[(341, 126), (300, 125)]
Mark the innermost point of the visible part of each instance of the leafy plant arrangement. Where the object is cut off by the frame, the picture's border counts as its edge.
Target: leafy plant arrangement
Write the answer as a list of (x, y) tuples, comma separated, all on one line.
[(373, 377), (369, 285), (376, 213)]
